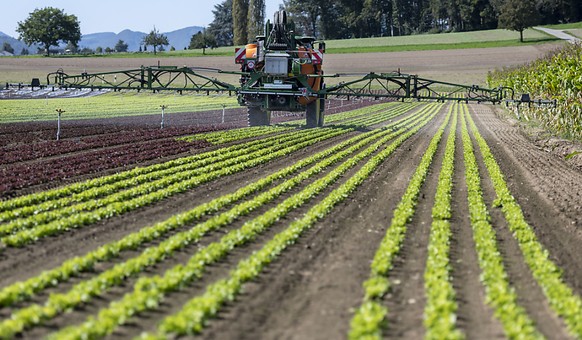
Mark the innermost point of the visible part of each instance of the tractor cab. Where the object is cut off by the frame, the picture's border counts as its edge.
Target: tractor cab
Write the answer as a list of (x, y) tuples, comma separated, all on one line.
[(282, 72)]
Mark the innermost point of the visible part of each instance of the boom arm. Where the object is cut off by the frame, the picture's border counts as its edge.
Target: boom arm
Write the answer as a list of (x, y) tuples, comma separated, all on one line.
[(155, 78)]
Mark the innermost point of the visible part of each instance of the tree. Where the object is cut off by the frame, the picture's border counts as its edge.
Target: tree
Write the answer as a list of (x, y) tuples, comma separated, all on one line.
[(202, 40), (71, 48), (221, 26), (155, 39), (517, 15), (240, 10), (7, 47), (24, 51), (99, 50), (48, 26), (305, 14), (256, 18), (121, 46)]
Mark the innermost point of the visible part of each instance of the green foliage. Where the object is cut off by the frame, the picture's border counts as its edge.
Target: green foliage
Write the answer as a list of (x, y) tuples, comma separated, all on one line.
[(370, 316), (340, 19), (191, 319), (227, 136), (117, 202), (240, 10), (517, 15), (440, 310), (256, 18), (221, 26), (17, 292), (557, 76), (562, 298), (499, 293), (202, 40), (110, 105), (121, 46), (84, 290), (48, 26), (155, 39)]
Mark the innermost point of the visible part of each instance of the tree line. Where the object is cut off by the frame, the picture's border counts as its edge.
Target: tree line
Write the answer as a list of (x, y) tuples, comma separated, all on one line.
[(236, 21)]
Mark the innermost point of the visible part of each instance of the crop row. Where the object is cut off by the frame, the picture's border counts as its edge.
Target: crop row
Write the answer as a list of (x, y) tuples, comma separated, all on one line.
[(17, 176), (20, 291), (50, 195), (441, 306), (80, 192), (222, 137), (52, 217), (36, 150), (183, 238), (144, 177), (124, 201), (369, 319), (353, 114), (499, 293), (561, 298), (109, 105), (149, 291)]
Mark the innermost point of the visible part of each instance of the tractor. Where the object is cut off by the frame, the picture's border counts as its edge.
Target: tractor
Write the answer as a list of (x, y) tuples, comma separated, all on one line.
[(281, 72)]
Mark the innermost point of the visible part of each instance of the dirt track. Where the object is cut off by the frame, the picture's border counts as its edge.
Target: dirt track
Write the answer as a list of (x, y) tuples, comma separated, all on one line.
[(312, 289)]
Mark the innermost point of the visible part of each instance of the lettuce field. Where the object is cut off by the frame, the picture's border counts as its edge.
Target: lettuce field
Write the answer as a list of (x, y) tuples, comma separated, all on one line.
[(395, 220)]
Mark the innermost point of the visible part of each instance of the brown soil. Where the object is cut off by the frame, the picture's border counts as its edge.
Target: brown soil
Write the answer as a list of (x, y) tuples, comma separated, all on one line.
[(311, 290)]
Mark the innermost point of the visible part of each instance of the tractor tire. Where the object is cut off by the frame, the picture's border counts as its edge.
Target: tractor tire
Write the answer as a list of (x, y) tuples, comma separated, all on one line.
[(314, 114), (258, 117)]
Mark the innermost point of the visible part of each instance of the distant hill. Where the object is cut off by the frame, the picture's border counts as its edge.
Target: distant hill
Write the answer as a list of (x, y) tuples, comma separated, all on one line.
[(179, 39), (16, 44)]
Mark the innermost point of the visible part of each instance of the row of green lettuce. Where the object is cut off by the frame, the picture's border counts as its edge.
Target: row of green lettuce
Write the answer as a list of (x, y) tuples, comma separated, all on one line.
[(548, 275), (85, 290), (370, 318), (149, 291), (557, 76)]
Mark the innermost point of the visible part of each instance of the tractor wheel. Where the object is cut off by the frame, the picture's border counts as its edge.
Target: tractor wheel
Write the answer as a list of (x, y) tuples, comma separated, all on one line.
[(314, 114), (258, 117)]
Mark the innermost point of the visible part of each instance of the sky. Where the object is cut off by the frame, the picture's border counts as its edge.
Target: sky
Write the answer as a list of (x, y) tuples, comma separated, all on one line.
[(116, 15)]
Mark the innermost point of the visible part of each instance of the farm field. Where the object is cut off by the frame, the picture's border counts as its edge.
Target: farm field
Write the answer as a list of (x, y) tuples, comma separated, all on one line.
[(343, 226), (398, 220), (466, 66)]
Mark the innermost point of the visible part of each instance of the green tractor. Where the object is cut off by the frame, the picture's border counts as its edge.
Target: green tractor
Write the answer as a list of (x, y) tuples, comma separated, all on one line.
[(281, 72)]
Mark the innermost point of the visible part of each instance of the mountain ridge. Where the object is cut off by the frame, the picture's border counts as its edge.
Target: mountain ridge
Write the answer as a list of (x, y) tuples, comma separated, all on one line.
[(179, 39)]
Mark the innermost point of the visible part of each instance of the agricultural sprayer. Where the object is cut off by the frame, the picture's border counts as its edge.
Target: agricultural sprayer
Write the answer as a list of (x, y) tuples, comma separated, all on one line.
[(281, 72)]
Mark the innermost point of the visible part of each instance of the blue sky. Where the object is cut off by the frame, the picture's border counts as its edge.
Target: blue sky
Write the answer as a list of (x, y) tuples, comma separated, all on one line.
[(117, 15)]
